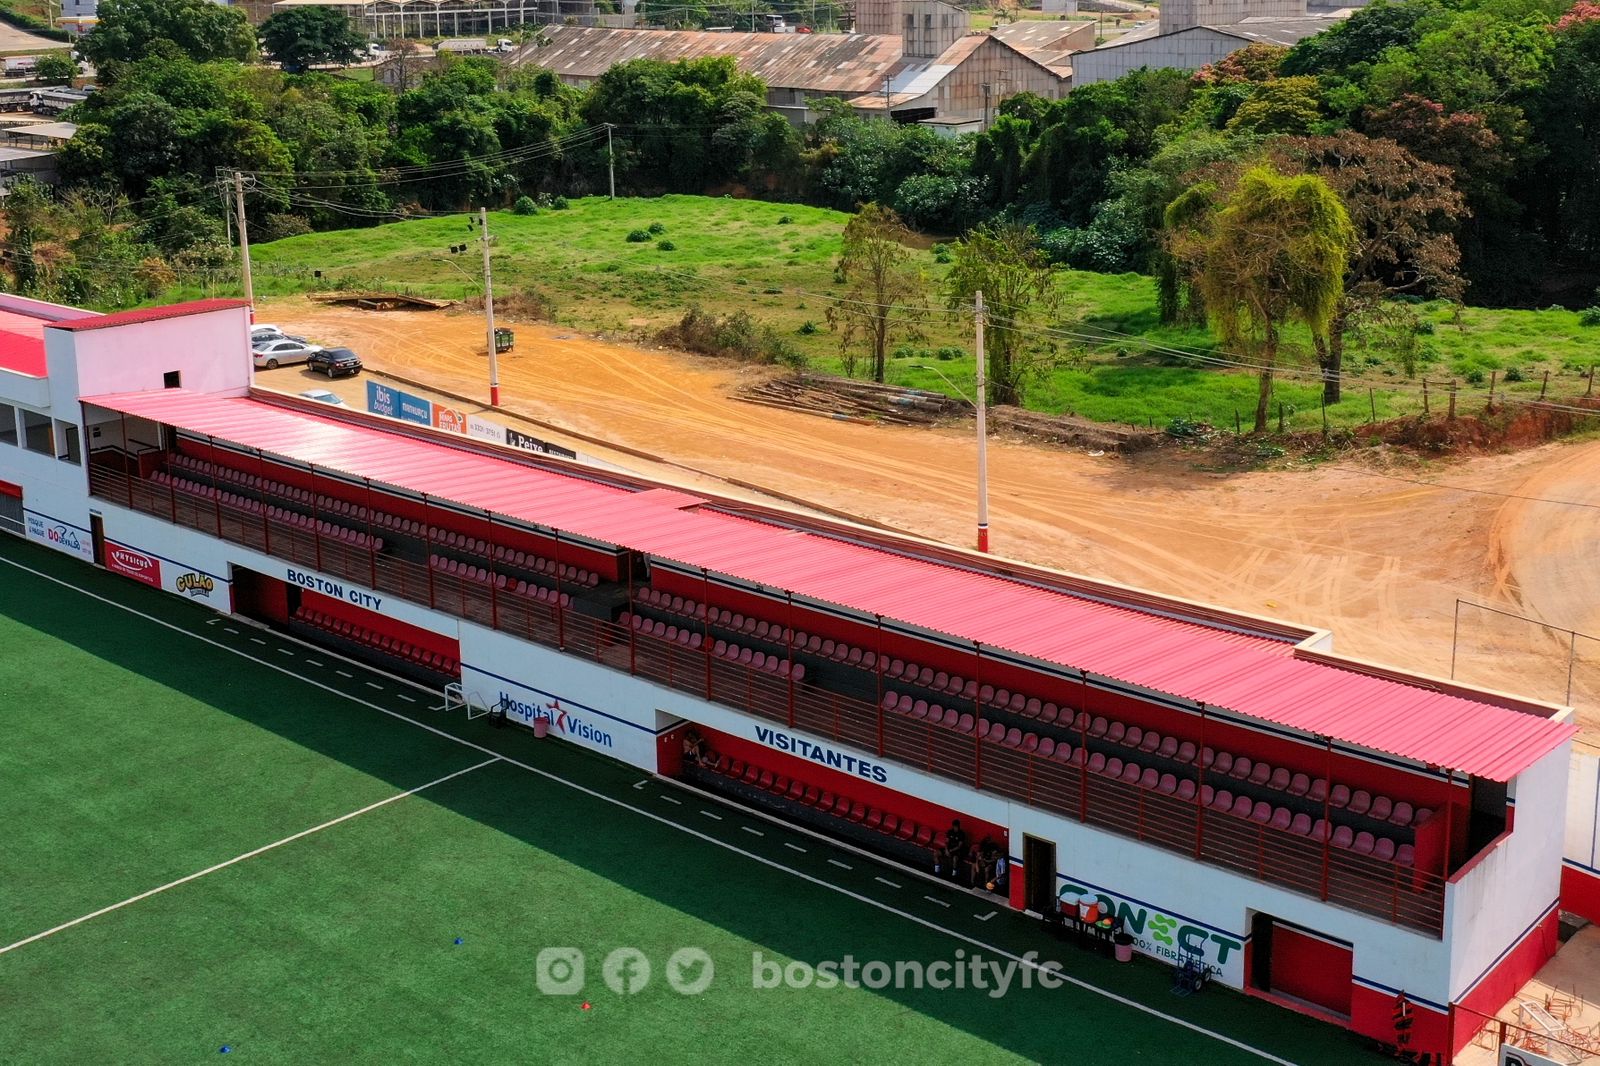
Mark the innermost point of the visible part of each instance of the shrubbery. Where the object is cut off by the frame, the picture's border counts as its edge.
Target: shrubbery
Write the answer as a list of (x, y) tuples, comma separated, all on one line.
[(639, 236), (524, 206), (734, 336)]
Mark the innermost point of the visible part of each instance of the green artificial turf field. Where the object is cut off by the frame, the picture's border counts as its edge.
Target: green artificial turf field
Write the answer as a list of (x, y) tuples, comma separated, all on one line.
[(134, 754)]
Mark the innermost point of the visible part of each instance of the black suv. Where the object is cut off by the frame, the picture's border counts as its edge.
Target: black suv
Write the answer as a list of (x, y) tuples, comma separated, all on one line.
[(335, 362)]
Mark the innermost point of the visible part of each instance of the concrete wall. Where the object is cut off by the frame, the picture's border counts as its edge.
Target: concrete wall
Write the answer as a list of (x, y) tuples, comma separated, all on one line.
[(1187, 50), (1580, 875), (930, 26), (1182, 14)]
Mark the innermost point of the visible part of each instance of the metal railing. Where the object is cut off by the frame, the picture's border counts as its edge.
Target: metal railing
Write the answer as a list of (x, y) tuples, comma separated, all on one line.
[(1382, 888)]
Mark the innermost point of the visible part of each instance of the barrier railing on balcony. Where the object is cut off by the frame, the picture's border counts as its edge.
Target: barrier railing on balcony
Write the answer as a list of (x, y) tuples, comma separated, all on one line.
[(1397, 893)]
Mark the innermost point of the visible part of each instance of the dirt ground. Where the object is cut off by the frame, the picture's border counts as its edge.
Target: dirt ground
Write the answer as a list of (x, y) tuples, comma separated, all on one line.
[(1380, 560)]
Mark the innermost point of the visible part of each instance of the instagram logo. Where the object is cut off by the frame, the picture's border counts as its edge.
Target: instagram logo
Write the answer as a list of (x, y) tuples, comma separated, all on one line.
[(559, 971)]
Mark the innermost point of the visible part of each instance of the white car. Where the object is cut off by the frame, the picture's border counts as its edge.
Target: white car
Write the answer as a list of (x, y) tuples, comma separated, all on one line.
[(322, 396), (270, 355)]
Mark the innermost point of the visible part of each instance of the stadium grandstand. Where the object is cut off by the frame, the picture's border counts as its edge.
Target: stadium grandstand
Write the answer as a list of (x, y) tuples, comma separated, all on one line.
[(1231, 794)]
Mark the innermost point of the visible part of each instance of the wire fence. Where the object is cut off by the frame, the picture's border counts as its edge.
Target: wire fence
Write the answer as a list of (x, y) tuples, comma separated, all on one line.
[(1501, 649)]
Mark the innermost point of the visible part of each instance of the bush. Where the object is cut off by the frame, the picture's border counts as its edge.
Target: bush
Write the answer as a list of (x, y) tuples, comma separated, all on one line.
[(1425, 328), (733, 336), (666, 246), (941, 253), (639, 236), (947, 353), (807, 328), (657, 228), (1514, 374), (558, 203), (1589, 316), (785, 220), (524, 206), (1474, 376)]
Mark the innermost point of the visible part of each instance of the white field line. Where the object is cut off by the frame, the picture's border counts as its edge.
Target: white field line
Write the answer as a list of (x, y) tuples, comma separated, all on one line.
[(1076, 982), (241, 858)]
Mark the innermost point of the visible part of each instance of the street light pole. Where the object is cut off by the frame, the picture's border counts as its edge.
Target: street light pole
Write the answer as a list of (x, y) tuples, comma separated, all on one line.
[(983, 432), (488, 310)]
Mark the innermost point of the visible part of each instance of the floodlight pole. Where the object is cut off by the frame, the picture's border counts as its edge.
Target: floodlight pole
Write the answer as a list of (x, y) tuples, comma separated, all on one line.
[(244, 244), (488, 310), (983, 432)]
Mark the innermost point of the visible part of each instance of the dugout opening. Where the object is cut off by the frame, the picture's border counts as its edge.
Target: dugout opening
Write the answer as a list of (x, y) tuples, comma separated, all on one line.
[(842, 796), (330, 619)]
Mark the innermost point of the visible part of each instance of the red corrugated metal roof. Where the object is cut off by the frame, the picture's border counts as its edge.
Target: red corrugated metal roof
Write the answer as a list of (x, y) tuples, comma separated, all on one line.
[(1251, 674), (148, 314), (22, 344)]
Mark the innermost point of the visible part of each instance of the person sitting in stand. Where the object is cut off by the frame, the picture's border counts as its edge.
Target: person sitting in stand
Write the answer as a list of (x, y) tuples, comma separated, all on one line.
[(695, 748), (995, 867), (946, 862)]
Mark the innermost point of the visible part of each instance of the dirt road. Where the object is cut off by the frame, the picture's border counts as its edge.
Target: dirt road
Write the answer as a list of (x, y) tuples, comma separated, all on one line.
[(1381, 561)]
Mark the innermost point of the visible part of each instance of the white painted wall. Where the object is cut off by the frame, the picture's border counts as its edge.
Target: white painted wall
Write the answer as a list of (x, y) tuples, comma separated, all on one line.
[(1583, 811), (210, 350), (1491, 905)]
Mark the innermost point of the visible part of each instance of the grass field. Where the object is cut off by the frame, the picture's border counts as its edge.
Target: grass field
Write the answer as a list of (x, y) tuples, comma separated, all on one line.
[(138, 753), (776, 261)]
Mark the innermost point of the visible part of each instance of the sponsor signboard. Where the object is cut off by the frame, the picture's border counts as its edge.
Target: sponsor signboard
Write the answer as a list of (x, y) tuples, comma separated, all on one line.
[(483, 429), (415, 409), (518, 439), (822, 754), (134, 564), (1167, 936), (382, 400), (449, 419), (572, 725), (58, 535), (193, 584)]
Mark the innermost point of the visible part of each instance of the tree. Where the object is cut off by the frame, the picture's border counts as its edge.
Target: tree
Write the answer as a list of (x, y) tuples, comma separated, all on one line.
[(128, 30), (883, 288), (1272, 252), (1003, 261), (27, 206), (1280, 105), (1402, 211), (56, 68), (302, 37)]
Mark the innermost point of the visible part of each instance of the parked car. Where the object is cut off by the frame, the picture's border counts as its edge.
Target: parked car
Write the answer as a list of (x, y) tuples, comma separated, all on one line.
[(271, 354), (323, 396), (263, 329), (334, 362)]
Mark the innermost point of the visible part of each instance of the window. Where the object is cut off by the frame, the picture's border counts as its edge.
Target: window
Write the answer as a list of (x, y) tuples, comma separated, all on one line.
[(172, 379), (36, 433), (67, 448), (8, 424)]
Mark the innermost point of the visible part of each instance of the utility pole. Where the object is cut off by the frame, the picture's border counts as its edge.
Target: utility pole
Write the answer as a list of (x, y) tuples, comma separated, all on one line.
[(611, 162), (983, 432), (244, 243), (887, 114), (488, 310)]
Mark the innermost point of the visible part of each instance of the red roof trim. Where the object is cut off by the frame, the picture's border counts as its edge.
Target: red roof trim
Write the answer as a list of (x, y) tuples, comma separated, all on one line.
[(1249, 674), (148, 314)]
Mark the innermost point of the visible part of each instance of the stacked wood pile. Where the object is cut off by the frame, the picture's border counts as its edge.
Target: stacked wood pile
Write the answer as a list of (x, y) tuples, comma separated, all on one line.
[(853, 401), (868, 402)]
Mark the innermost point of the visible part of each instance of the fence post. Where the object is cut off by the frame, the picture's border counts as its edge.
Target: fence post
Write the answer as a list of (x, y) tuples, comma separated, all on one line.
[(1493, 378), (1425, 396), (1280, 416), (1589, 390), (1453, 396), (1545, 385), (1238, 426), (1324, 417), (1373, 400)]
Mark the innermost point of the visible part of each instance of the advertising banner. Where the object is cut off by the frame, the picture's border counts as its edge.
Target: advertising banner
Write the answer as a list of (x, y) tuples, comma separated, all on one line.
[(483, 429), (449, 419), (58, 535), (382, 400), (415, 409), (195, 585), (130, 563)]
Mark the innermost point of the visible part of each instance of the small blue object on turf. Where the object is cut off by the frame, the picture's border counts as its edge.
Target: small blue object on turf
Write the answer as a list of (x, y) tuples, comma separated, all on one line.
[(458, 940), (224, 1049)]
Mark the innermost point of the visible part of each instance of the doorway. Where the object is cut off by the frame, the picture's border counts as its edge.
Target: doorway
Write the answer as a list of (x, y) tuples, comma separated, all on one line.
[(97, 537), (1039, 870)]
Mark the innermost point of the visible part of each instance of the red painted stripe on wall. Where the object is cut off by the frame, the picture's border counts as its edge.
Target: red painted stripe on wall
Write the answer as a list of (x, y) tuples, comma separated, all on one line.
[(1580, 891)]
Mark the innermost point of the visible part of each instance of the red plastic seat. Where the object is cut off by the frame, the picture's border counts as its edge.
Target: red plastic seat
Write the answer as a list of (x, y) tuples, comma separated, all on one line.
[(891, 823), (924, 836), (1185, 789), (874, 819), (1260, 774), (764, 779), (858, 812), (1150, 778), (1360, 802), (1382, 808), (908, 829), (1282, 818)]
